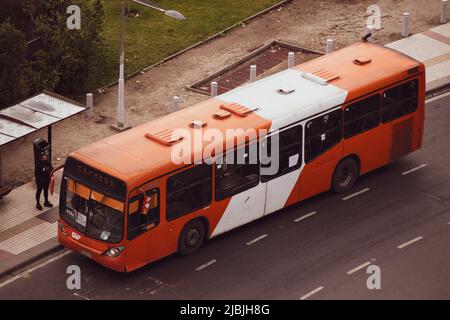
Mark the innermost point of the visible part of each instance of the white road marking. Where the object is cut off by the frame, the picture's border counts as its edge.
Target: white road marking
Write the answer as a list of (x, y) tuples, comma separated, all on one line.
[(257, 239), (206, 265), (365, 264), (79, 295), (438, 97), (414, 169), (355, 194), (432, 197), (305, 216), (26, 273), (306, 296), (409, 242)]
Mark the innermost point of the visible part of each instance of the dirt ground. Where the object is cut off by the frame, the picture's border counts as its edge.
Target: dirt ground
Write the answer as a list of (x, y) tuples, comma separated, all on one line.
[(306, 23)]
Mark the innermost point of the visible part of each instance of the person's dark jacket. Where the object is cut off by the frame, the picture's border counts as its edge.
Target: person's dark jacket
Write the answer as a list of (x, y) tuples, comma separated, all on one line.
[(42, 172)]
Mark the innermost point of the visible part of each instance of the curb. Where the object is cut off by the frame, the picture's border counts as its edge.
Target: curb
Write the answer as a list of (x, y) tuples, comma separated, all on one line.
[(27, 261)]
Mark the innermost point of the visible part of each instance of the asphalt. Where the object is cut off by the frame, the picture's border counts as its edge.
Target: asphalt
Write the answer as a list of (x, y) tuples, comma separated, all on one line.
[(297, 258)]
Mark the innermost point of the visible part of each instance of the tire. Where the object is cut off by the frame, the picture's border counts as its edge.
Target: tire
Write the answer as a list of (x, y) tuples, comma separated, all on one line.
[(192, 237), (345, 175)]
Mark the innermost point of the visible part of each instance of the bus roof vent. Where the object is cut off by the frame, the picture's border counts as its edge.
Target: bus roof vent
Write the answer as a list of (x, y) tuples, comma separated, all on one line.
[(165, 137), (361, 61), (237, 109), (197, 124), (322, 77), (222, 114)]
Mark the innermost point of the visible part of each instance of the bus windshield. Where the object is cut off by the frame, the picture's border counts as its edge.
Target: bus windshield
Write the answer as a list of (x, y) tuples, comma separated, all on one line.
[(91, 212)]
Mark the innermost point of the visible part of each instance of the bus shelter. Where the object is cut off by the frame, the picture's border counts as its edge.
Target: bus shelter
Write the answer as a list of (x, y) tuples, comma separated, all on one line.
[(38, 112)]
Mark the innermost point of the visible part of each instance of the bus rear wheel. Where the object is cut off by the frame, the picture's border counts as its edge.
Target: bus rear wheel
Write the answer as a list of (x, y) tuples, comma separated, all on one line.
[(192, 237), (345, 175)]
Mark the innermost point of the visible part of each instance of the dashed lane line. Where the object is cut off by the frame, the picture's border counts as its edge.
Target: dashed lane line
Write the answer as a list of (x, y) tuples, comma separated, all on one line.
[(403, 245), (362, 266), (305, 216), (414, 169), (257, 239), (311, 293), (206, 265), (355, 194)]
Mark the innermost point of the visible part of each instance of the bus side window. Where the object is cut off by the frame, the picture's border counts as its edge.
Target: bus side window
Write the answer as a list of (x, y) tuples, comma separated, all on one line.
[(400, 100), (290, 151), (362, 116), (188, 190), (238, 172), (322, 133), (138, 222)]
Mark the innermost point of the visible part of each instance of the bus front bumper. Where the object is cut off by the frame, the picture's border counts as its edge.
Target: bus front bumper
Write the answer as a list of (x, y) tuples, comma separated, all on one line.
[(65, 238)]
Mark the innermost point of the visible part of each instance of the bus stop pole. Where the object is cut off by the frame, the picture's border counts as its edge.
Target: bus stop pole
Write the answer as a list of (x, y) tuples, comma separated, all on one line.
[(49, 139)]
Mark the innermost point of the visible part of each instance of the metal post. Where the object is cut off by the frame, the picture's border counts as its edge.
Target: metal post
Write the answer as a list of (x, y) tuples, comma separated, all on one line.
[(213, 88), (176, 103), (329, 46), (291, 58), (90, 104), (252, 73), (405, 25), (444, 11), (1, 172), (121, 103), (49, 140)]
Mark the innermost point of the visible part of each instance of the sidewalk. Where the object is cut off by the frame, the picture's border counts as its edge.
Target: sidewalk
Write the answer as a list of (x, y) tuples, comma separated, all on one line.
[(27, 234), (432, 48)]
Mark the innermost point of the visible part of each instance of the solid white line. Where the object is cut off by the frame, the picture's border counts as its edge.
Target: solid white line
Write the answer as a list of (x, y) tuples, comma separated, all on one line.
[(437, 97), (414, 169), (306, 296), (365, 264), (36, 267), (256, 239), (305, 216), (356, 194), (206, 265), (409, 242)]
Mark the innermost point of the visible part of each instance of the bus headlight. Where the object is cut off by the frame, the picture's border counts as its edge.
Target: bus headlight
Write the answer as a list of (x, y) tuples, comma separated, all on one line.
[(114, 252)]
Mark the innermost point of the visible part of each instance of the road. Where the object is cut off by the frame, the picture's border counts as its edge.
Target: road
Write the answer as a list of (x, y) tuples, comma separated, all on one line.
[(401, 223)]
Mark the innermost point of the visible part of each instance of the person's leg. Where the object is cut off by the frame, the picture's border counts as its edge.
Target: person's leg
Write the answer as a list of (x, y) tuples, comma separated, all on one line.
[(38, 196), (46, 203)]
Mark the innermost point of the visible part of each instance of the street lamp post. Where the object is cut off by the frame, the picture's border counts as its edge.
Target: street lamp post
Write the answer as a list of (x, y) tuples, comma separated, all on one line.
[(121, 96)]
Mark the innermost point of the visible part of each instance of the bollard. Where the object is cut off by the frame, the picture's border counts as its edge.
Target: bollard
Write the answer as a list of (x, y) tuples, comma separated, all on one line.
[(329, 44), (252, 73), (444, 11), (213, 89), (90, 105), (291, 58), (405, 25), (176, 103)]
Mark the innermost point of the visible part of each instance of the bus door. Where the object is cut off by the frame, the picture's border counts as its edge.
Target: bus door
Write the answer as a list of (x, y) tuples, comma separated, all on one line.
[(284, 153), (237, 181), (142, 229)]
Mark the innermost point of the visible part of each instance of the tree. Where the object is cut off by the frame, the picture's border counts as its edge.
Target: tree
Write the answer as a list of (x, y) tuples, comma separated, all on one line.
[(64, 60), (14, 67)]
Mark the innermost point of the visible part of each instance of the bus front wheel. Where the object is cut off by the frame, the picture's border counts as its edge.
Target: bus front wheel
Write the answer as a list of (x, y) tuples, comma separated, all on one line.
[(345, 175), (192, 237)]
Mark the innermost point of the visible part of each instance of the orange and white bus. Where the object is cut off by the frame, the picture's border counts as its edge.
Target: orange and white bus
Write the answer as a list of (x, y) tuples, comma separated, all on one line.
[(125, 203)]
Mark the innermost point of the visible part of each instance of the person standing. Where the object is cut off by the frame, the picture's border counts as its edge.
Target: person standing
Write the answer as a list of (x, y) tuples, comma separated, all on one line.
[(42, 174)]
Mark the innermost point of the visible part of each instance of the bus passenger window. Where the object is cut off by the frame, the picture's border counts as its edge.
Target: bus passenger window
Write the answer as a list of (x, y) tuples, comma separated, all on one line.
[(238, 172), (362, 116), (400, 100), (189, 190), (290, 152), (138, 222), (322, 133)]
